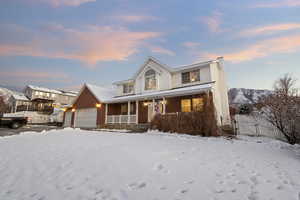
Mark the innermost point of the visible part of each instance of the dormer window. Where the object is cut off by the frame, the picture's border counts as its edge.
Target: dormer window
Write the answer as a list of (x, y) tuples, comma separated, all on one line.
[(150, 80), (127, 88), (190, 77)]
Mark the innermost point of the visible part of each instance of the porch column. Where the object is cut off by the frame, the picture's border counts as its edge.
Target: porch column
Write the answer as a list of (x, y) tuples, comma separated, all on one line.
[(164, 105), (153, 107), (106, 108), (136, 111), (16, 106), (128, 112)]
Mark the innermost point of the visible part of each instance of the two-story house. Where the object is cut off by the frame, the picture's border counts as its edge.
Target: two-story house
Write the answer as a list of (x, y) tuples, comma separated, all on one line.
[(40, 99), (154, 88)]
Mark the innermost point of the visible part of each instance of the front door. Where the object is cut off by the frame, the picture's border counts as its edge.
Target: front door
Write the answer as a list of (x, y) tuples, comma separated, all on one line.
[(158, 108)]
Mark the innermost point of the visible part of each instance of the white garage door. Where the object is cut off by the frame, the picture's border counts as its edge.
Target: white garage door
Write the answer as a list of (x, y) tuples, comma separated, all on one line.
[(86, 118), (68, 119)]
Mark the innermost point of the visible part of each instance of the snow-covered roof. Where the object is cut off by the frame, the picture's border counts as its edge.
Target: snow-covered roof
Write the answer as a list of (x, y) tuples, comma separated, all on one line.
[(102, 93), (165, 93), (62, 92), (44, 89), (19, 96)]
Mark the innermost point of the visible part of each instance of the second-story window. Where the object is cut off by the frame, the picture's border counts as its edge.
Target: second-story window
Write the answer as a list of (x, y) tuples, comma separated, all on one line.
[(150, 80), (190, 77), (127, 88), (53, 95)]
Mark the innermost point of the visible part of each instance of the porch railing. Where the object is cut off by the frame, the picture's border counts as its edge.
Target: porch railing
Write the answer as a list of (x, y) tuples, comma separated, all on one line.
[(121, 119)]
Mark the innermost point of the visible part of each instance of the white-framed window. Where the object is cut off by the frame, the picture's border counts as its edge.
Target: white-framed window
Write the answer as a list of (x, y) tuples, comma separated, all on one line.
[(47, 94), (150, 80), (191, 76), (127, 88), (36, 93), (53, 95)]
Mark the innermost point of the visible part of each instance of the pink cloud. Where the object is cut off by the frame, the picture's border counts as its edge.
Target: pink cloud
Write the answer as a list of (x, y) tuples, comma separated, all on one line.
[(279, 3), (213, 22), (191, 44), (161, 50), (264, 30), (135, 18), (57, 3), (90, 44), (287, 44), (22, 76)]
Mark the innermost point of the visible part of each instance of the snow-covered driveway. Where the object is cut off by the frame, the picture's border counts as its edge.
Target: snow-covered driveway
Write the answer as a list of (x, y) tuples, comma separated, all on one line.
[(77, 165)]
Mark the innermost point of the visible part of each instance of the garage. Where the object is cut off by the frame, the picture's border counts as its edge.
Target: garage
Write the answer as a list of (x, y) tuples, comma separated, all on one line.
[(68, 119), (86, 118)]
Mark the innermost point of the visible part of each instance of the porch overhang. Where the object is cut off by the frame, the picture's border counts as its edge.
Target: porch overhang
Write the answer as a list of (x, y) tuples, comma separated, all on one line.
[(190, 90)]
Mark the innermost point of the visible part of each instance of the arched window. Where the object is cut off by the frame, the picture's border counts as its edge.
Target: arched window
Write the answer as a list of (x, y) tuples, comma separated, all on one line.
[(150, 80)]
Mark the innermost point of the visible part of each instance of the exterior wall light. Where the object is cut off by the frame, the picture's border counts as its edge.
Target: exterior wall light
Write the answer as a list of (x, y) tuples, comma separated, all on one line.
[(73, 109), (98, 105)]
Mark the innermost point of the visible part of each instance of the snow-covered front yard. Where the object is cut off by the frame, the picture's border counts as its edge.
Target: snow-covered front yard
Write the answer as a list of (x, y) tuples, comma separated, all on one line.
[(77, 165)]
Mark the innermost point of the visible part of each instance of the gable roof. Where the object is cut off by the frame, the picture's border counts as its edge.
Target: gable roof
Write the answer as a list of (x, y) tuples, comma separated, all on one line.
[(155, 61), (169, 69), (149, 59), (19, 96), (101, 93)]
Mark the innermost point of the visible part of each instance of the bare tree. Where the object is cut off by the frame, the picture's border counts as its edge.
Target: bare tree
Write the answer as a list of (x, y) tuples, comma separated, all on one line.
[(282, 108), (3, 105)]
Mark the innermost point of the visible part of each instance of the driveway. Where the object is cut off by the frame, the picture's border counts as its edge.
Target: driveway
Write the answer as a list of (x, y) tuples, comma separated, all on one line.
[(36, 128)]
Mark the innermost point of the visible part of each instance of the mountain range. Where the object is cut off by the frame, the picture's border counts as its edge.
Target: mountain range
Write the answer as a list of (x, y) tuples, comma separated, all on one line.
[(238, 96)]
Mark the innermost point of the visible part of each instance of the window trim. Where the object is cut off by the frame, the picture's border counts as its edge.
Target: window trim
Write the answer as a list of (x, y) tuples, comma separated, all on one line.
[(128, 85), (184, 81), (149, 77)]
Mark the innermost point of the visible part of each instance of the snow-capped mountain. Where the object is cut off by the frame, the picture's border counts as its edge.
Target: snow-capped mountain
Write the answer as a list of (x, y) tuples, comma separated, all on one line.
[(246, 96)]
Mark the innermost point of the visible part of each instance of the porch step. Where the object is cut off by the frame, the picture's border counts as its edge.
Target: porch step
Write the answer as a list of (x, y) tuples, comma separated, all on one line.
[(137, 128)]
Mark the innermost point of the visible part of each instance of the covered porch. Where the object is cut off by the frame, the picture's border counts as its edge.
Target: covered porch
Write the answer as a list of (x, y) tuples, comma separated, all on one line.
[(140, 109)]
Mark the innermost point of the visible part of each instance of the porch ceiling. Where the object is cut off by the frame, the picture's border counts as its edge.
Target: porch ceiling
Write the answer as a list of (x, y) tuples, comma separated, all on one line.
[(166, 93)]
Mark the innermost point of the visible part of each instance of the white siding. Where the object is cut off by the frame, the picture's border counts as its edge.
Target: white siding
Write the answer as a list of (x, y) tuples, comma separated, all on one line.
[(163, 78), (205, 77), (220, 93)]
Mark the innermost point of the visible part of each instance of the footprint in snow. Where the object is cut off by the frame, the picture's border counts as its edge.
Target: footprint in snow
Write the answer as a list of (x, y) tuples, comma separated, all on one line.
[(189, 182), (160, 167), (241, 182), (279, 187), (184, 191), (137, 186), (98, 191), (163, 188)]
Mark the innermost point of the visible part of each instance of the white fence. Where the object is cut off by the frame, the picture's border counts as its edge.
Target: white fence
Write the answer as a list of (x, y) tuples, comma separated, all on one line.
[(121, 119), (255, 125)]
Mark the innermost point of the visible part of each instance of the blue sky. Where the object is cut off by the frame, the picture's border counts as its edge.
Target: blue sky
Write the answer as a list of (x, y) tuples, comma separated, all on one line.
[(64, 43)]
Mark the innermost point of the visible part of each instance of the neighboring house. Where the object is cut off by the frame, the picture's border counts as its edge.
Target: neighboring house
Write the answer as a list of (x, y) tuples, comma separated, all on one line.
[(18, 101), (154, 88), (39, 99)]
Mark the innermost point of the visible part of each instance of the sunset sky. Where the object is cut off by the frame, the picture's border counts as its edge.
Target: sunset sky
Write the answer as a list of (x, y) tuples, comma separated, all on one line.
[(64, 43)]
